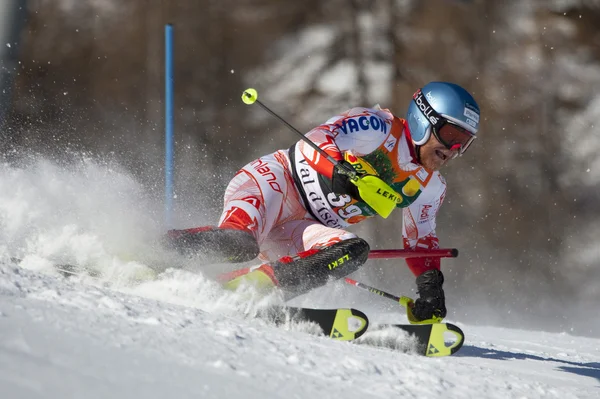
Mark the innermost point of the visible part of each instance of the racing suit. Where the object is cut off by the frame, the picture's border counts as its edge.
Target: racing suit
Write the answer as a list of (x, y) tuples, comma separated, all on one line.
[(285, 199)]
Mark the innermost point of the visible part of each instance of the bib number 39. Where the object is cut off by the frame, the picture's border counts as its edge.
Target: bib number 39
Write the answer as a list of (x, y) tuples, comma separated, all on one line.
[(340, 202)]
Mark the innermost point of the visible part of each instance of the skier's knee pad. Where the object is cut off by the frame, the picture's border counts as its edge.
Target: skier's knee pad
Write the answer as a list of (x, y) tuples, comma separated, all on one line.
[(314, 268)]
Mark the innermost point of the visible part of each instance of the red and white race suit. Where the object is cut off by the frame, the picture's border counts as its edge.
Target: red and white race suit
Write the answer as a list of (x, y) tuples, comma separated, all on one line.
[(285, 198)]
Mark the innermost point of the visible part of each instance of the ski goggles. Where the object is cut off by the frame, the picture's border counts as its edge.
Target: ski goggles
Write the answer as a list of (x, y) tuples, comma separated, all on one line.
[(450, 134), (453, 137)]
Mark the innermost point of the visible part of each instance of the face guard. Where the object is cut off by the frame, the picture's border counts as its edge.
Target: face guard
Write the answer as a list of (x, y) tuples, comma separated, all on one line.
[(451, 135)]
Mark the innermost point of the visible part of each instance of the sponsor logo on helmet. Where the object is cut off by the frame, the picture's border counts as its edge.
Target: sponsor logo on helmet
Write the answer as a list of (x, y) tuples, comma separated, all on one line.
[(425, 108), (430, 98), (471, 114)]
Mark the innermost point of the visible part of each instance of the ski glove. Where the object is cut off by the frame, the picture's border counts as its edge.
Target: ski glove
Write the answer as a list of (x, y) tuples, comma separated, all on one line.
[(431, 302), (341, 184)]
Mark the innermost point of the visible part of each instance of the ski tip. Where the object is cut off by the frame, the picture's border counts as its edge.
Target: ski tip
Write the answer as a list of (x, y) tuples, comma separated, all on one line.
[(348, 324), (365, 320), (437, 346), (434, 340), (460, 337), (358, 323)]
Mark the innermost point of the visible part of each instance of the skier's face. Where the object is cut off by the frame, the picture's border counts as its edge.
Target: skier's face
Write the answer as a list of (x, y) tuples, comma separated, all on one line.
[(434, 154)]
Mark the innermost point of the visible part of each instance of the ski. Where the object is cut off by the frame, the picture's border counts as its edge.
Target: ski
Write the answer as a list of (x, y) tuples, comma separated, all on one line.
[(343, 324), (431, 338), (67, 270)]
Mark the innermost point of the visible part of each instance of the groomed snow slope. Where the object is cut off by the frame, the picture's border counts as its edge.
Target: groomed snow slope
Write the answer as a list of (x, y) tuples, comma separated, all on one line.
[(66, 339)]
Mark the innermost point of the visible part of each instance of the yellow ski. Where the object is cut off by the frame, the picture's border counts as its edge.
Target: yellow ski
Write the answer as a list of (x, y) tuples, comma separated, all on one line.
[(342, 324), (432, 338)]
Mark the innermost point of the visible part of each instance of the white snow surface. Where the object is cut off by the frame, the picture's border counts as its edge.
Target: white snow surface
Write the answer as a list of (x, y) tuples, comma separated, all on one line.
[(180, 335), (62, 339)]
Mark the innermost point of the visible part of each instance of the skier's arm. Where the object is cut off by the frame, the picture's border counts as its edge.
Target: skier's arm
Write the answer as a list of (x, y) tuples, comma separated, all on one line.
[(419, 223), (420, 265), (360, 130), (325, 140), (419, 231)]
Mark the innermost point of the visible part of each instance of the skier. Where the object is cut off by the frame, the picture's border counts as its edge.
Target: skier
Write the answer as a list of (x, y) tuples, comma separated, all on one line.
[(290, 207)]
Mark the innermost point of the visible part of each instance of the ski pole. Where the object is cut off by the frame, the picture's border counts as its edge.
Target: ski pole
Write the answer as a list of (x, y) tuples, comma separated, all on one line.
[(373, 191), (250, 96), (376, 291), (169, 137), (405, 301), (410, 253)]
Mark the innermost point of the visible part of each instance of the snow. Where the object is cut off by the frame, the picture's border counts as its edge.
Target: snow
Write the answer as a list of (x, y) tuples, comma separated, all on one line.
[(69, 339), (133, 333)]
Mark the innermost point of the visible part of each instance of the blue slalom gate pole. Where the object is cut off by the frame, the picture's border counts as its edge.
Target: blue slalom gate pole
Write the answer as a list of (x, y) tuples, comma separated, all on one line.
[(169, 156)]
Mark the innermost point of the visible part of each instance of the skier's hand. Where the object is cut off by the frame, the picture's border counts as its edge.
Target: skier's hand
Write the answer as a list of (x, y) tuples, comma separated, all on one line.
[(431, 304), (341, 182), (366, 188)]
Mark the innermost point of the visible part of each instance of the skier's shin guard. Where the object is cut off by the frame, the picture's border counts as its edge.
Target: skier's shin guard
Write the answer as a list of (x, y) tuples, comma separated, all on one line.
[(215, 244), (313, 268)]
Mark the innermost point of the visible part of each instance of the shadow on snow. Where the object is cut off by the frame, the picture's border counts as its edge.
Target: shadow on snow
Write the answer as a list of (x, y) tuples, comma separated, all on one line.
[(583, 369)]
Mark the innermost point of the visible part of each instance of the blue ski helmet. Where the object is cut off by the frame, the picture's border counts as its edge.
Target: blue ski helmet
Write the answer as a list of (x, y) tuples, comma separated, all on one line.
[(448, 100)]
